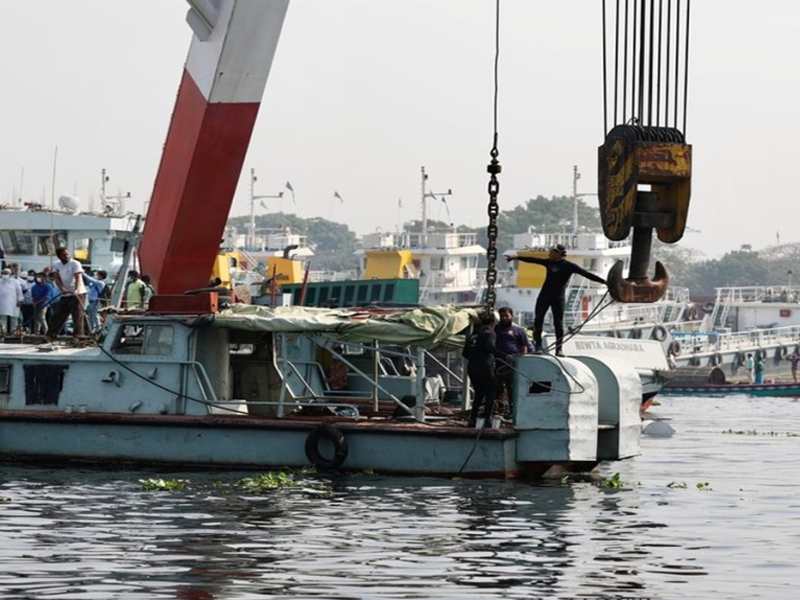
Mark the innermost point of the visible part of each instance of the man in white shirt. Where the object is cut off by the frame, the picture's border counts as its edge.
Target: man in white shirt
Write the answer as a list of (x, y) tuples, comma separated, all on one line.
[(73, 295), (10, 302)]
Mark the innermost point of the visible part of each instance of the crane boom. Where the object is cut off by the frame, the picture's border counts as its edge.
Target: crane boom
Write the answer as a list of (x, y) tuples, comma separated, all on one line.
[(218, 100)]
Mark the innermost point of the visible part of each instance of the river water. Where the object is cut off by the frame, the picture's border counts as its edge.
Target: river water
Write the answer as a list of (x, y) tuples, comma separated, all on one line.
[(708, 512)]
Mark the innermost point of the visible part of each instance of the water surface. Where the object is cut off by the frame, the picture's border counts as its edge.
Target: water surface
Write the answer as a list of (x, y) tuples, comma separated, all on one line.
[(710, 512)]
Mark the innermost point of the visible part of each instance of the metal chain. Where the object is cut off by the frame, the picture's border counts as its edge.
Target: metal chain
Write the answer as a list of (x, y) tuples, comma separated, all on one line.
[(493, 169), (494, 185)]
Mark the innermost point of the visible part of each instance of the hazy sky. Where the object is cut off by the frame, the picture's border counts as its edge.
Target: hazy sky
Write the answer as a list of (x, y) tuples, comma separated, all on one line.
[(364, 92)]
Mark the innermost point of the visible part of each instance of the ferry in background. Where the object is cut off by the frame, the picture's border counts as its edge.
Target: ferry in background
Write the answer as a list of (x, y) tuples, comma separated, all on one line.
[(30, 233)]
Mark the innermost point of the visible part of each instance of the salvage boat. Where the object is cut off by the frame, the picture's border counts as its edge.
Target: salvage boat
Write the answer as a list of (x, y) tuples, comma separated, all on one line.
[(246, 386), (199, 380)]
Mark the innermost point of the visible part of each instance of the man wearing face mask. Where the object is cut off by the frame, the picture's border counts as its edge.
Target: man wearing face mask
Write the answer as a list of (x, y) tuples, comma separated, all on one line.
[(10, 301), (27, 300)]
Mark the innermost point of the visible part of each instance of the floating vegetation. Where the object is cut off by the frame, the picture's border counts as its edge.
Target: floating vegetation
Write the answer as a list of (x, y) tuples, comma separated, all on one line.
[(766, 433), (613, 482), (270, 480), (680, 485), (163, 485)]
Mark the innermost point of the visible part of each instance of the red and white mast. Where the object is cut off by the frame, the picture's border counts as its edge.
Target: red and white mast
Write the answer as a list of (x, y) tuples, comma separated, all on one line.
[(218, 100)]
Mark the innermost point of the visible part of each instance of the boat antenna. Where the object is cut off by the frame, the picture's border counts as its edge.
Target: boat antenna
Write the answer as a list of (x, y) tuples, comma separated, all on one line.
[(494, 169)]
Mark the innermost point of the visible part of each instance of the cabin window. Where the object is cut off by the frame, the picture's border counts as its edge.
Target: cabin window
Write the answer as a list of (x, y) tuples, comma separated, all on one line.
[(43, 383), (149, 340), (82, 250), (5, 379), (158, 340), (437, 263), (16, 242)]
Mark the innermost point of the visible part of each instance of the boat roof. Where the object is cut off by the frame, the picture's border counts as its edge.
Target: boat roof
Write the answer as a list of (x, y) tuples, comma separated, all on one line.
[(424, 326)]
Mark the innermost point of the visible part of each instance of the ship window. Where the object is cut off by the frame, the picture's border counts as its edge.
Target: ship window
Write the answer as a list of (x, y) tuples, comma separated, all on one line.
[(46, 245), (15, 242), (437, 263), (5, 379), (150, 340), (82, 250), (158, 340)]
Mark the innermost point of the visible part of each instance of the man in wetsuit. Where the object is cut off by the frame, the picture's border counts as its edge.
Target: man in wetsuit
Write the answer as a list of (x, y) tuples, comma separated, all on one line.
[(480, 351), (551, 296)]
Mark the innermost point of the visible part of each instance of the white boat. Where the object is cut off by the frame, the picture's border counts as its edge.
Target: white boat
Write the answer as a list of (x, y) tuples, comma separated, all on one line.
[(739, 321), (31, 233)]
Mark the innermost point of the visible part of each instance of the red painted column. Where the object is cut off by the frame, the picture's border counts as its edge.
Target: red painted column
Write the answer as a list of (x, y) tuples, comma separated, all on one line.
[(208, 137)]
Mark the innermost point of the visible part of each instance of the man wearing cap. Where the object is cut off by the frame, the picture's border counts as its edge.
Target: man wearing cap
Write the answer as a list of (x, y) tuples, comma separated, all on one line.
[(10, 301), (552, 294)]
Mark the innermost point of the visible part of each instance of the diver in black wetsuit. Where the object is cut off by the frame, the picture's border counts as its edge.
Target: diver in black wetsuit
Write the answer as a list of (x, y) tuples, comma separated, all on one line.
[(480, 352), (551, 296)]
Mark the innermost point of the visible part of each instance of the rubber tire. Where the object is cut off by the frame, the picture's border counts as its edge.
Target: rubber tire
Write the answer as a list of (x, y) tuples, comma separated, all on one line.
[(335, 437)]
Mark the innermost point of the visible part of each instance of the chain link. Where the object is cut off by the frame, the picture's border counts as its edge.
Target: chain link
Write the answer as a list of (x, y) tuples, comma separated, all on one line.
[(493, 169)]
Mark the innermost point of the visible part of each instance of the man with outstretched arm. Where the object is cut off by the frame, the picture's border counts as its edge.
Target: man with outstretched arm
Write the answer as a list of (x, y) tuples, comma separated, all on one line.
[(552, 294)]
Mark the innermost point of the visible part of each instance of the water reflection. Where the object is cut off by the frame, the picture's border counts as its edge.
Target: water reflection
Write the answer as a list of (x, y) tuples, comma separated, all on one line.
[(100, 536), (96, 534)]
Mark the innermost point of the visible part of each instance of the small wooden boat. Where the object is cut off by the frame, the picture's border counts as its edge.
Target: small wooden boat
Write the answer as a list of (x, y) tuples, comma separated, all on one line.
[(785, 388)]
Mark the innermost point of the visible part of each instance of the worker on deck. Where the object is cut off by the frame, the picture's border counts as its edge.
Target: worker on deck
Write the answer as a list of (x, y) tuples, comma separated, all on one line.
[(552, 294)]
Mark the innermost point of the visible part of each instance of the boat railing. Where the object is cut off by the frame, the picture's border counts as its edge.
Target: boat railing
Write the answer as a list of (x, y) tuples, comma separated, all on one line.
[(748, 294), (290, 396), (739, 341)]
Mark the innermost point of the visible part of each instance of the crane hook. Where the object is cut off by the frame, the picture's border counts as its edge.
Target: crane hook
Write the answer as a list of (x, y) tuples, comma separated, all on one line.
[(638, 287)]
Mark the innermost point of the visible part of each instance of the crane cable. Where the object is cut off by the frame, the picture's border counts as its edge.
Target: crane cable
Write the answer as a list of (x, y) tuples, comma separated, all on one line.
[(650, 70), (493, 169)]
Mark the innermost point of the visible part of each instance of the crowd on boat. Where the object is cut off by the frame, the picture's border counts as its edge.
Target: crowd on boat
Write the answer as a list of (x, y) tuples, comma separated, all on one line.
[(62, 298)]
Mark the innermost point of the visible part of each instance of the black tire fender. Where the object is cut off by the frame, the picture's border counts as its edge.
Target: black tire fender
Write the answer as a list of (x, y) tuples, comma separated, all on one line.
[(675, 348), (332, 435), (659, 333)]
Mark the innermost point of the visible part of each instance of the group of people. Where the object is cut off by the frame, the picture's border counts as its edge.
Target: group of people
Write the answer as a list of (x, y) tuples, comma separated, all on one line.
[(42, 303), (492, 347)]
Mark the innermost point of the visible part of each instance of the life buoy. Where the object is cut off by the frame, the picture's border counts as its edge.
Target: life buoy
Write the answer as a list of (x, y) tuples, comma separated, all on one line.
[(708, 307), (585, 308), (659, 333), (331, 435), (675, 348)]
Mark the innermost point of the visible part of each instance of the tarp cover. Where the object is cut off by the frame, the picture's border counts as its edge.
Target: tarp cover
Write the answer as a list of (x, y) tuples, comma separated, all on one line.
[(425, 326)]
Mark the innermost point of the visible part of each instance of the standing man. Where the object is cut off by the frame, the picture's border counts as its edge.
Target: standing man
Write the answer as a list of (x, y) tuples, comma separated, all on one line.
[(137, 291), (42, 296), (69, 279), (10, 301), (96, 287), (552, 294), (511, 341), (480, 351), (794, 359), (749, 366)]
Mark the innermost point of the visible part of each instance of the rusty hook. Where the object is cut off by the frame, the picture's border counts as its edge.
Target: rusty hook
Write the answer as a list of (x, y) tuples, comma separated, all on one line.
[(638, 287)]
